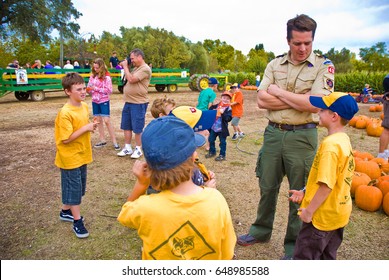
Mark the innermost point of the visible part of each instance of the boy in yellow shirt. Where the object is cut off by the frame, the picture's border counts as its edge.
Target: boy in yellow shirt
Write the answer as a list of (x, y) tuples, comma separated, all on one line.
[(74, 150), (183, 221), (326, 201)]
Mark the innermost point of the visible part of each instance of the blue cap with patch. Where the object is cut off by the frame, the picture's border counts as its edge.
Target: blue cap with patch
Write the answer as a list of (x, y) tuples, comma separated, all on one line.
[(341, 103)]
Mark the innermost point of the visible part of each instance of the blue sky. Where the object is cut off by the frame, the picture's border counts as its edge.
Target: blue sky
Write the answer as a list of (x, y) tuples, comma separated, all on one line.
[(352, 24)]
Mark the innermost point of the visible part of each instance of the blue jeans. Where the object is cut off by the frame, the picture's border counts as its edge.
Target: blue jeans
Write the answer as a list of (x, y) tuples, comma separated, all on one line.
[(223, 143)]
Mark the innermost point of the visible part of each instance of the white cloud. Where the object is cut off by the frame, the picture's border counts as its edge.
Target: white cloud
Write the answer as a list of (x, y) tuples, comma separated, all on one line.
[(350, 24)]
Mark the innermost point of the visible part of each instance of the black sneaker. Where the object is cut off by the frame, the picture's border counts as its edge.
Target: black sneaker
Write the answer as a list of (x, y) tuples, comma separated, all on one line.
[(209, 155), (100, 144), (79, 229), (116, 147), (220, 158), (235, 136), (67, 216)]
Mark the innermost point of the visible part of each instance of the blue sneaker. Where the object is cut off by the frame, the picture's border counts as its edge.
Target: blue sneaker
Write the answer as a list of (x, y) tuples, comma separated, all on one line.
[(79, 229)]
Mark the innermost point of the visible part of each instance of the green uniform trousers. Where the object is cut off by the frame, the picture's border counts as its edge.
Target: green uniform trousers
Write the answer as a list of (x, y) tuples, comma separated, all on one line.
[(289, 153)]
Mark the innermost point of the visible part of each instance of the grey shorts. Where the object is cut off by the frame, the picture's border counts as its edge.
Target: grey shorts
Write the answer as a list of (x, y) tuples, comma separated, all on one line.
[(235, 121)]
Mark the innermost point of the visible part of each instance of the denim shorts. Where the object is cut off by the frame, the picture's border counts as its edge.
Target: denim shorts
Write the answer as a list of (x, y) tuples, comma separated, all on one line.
[(73, 184), (101, 109), (235, 121), (133, 117)]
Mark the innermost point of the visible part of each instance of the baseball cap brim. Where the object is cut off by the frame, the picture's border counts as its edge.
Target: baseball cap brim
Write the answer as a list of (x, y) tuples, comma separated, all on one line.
[(200, 140)]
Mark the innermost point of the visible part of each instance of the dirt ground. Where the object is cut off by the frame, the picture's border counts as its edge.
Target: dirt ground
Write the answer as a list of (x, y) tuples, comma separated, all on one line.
[(30, 189)]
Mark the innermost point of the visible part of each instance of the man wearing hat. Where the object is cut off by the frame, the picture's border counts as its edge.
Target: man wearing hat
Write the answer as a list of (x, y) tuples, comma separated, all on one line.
[(326, 200), (237, 111)]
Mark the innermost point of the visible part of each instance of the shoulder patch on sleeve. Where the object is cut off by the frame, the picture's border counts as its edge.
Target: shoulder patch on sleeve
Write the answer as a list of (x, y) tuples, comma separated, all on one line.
[(281, 55)]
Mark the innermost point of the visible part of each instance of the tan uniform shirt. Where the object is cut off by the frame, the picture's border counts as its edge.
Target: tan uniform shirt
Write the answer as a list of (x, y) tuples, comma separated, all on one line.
[(137, 92), (315, 74)]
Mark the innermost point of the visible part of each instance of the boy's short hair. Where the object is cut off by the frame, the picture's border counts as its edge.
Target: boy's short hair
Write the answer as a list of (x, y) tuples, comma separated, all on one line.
[(167, 142), (159, 105), (341, 103), (72, 78)]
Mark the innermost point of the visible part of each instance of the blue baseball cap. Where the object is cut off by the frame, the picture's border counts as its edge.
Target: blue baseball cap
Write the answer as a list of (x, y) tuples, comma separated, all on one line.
[(341, 103), (167, 142), (213, 81)]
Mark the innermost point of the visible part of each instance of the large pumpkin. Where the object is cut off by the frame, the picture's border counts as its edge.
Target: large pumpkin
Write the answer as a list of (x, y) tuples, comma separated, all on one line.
[(368, 198), (374, 129), (385, 204), (359, 178), (371, 168)]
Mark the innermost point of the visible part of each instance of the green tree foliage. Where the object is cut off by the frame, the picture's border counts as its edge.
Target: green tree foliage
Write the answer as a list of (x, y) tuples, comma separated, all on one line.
[(161, 47), (376, 58), (258, 59), (37, 19), (341, 59)]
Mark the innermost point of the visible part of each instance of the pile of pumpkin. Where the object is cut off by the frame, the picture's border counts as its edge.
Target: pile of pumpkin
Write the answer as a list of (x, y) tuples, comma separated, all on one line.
[(249, 87), (372, 125), (370, 184)]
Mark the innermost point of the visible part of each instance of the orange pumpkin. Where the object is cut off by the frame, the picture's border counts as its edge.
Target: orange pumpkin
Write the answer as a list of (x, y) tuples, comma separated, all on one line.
[(380, 161), (359, 178), (363, 155), (385, 204), (353, 121), (368, 198), (385, 167), (372, 108), (378, 108), (361, 123), (371, 168), (384, 187), (374, 129)]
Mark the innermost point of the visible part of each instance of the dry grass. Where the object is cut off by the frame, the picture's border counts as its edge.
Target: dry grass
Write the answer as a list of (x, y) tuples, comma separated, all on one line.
[(30, 189)]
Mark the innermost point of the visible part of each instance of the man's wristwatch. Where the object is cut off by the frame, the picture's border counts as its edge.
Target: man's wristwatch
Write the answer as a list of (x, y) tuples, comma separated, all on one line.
[(303, 189)]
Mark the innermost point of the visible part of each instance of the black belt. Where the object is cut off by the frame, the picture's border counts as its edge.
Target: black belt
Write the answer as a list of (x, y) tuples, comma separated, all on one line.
[(291, 127)]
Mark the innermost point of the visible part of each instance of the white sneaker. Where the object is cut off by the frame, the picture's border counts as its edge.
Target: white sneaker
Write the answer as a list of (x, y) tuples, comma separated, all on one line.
[(242, 135), (137, 153), (125, 152)]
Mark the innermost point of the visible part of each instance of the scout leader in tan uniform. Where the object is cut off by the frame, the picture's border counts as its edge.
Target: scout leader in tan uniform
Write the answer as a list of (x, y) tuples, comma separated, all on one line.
[(290, 139), (136, 102)]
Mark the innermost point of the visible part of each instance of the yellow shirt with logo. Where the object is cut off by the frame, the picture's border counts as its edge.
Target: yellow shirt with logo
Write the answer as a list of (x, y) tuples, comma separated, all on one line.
[(78, 152), (333, 165), (177, 227), (314, 75)]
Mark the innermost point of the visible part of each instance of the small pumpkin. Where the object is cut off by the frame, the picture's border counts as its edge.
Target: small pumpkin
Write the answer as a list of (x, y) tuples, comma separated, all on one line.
[(368, 198), (383, 186), (359, 178)]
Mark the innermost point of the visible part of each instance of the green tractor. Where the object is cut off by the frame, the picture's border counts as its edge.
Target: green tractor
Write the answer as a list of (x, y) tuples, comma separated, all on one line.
[(198, 82)]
